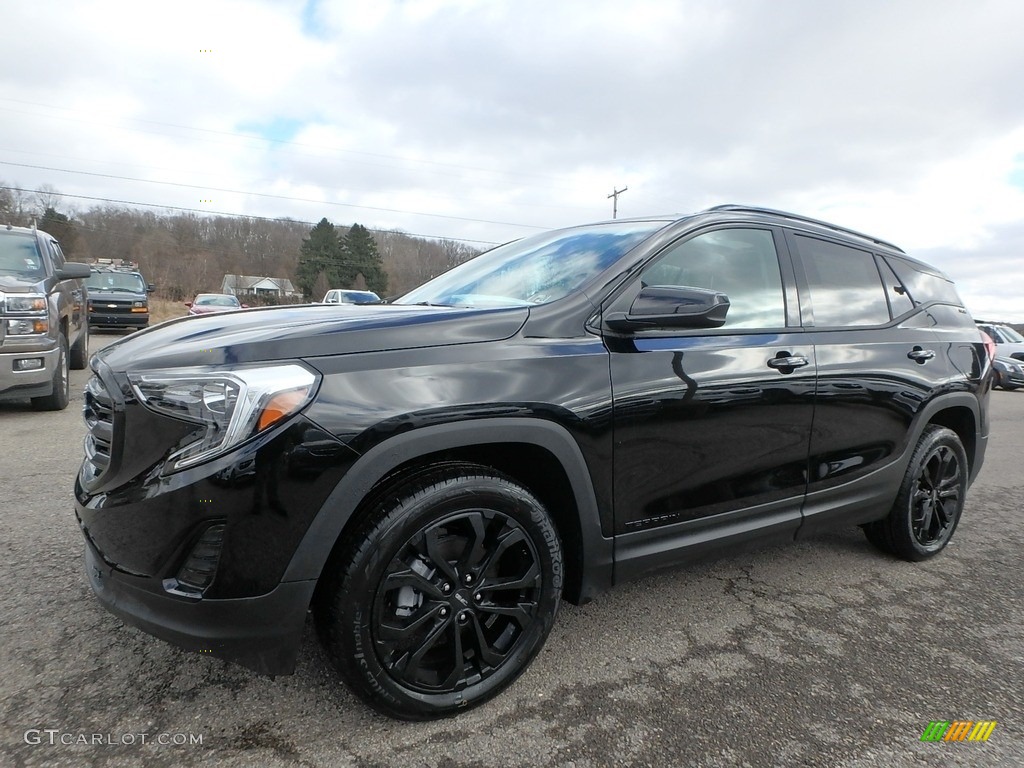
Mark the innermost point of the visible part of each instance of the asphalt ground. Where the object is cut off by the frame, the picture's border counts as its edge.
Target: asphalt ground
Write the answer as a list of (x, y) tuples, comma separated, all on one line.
[(821, 653)]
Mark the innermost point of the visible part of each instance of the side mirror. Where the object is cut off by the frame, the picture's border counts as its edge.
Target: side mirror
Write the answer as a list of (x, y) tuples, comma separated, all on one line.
[(245, 306), (671, 306), (188, 303), (150, 287), (73, 270)]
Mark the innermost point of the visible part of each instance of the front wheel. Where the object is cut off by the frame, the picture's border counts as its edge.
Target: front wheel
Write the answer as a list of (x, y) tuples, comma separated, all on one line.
[(80, 350), (931, 499), (60, 393), (445, 593)]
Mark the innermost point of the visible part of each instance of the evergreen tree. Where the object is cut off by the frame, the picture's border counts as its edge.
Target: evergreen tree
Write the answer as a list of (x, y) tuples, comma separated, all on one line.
[(320, 253), (60, 226), (363, 259)]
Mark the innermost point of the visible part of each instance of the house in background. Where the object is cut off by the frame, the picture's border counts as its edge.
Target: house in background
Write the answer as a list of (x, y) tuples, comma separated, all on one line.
[(252, 285)]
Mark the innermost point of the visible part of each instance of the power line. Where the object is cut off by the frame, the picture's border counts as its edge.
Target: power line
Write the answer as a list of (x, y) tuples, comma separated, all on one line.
[(265, 195), (286, 142), (433, 195), (232, 215)]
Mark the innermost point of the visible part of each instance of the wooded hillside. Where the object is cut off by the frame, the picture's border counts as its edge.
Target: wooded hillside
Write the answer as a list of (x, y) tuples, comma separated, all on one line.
[(187, 253)]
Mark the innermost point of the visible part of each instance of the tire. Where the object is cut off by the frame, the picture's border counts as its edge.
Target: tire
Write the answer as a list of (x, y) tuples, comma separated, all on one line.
[(930, 501), (58, 399), (80, 350), (444, 593), (997, 379)]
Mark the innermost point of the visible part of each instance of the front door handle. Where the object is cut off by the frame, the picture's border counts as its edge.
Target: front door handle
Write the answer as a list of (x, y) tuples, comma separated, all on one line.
[(786, 363), (919, 355)]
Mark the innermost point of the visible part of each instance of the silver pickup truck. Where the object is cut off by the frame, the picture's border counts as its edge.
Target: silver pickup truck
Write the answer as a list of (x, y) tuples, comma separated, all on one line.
[(44, 329)]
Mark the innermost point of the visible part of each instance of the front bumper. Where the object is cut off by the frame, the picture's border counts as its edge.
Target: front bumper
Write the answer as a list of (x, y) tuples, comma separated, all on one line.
[(20, 384), (120, 320), (262, 633)]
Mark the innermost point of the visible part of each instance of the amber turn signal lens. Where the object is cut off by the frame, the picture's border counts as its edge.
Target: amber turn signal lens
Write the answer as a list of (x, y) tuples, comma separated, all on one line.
[(281, 405)]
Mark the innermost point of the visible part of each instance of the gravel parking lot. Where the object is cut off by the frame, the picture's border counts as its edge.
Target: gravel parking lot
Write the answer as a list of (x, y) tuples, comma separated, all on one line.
[(822, 653)]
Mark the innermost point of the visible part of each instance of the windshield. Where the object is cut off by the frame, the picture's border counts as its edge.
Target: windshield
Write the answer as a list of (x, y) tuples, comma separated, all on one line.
[(216, 301), (115, 281), (1010, 335), (18, 256), (534, 270), (359, 297)]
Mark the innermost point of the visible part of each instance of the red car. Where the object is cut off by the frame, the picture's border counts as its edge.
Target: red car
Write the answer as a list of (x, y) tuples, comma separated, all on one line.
[(206, 303)]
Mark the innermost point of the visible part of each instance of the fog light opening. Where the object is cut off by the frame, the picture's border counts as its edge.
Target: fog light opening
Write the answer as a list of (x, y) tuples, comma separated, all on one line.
[(200, 567), (28, 364)]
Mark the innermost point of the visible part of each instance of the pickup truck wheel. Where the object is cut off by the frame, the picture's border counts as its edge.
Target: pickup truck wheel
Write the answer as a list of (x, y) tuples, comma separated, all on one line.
[(58, 399), (80, 350), (931, 499), (444, 594)]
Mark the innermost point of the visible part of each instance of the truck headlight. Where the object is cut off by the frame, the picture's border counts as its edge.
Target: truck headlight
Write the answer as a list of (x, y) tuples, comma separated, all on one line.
[(26, 303), (233, 405), (27, 326)]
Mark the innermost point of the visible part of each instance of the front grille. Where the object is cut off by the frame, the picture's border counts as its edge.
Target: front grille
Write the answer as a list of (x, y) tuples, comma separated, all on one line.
[(98, 412), (112, 307)]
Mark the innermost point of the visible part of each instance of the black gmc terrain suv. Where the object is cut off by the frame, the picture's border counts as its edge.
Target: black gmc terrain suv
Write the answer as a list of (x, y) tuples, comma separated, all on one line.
[(560, 414)]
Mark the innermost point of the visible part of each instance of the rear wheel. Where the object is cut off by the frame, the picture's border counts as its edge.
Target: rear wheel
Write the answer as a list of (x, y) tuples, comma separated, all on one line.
[(58, 399), (931, 499), (444, 594)]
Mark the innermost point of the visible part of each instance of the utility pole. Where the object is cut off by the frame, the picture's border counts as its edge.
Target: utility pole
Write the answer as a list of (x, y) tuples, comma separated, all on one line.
[(615, 200)]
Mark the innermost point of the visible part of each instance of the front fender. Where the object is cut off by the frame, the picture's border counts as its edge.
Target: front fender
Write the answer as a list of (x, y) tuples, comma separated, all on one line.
[(595, 573)]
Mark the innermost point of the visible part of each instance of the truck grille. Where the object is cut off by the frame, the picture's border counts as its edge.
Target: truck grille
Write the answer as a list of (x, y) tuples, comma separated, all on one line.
[(98, 413), (111, 306)]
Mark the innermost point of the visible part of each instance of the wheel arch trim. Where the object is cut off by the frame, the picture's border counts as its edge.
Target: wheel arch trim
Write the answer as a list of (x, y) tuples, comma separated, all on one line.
[(374, 465)]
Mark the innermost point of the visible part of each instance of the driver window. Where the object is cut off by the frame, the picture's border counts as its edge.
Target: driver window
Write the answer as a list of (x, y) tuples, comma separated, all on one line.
[(741, 263)]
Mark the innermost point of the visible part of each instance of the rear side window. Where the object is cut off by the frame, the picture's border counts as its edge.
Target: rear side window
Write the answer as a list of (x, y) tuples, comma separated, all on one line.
[(924, 287), (845, 287)]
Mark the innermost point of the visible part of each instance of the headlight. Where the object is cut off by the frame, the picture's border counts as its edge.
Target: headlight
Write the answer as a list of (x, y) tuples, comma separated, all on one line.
[(28, 303), (233, 405), (27, 326)]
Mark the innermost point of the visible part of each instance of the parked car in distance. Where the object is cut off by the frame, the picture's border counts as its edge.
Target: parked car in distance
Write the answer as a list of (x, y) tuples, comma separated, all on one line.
[(118, 298), (44, 330), (1008, 373), (208, 303), (555, 416), (1009, 343), (345, 296)]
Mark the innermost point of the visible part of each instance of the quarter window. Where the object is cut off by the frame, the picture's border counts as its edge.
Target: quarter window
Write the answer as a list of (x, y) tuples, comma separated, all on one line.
[(845, 287), (741, 263), (900, 300)]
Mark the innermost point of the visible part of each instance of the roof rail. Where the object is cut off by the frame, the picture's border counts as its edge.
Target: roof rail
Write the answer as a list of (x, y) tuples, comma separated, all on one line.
[(805, 220)]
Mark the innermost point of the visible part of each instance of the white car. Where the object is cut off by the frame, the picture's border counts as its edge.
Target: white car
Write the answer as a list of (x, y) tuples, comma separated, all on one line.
[(1009, 343), (345, 296)]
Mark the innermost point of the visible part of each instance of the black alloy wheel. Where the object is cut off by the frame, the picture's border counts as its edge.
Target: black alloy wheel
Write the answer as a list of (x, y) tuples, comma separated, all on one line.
[(931, 499), (445, 595), (937, 497)]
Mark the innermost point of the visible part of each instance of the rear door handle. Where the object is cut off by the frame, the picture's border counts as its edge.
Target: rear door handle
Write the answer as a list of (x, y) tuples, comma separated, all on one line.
[(919, 355), (782, 361)]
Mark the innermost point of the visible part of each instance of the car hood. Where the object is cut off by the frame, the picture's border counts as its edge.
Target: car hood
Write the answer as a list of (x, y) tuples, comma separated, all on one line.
[(98, 296), (289, 333), (12, 284)]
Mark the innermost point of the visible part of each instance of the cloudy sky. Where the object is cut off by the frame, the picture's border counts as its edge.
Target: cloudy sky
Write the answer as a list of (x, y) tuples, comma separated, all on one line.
[(486, 120)]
